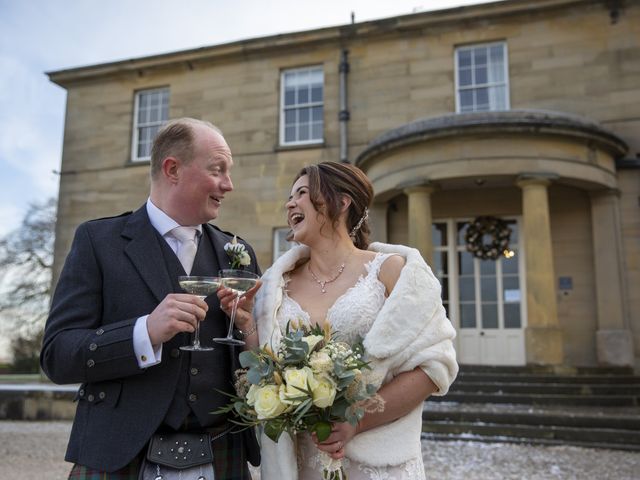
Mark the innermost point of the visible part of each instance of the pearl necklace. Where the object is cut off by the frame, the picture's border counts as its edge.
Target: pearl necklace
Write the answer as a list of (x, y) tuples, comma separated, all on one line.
[(324, 283)]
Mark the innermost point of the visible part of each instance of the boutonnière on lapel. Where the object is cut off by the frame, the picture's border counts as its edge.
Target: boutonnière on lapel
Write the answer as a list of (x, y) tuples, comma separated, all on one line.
[(238, 255)]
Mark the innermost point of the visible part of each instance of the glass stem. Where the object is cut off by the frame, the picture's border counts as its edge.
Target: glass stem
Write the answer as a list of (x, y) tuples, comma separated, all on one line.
[(234, 308)]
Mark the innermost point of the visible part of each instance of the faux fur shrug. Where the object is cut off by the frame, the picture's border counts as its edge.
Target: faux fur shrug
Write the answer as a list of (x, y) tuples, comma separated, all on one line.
[(411, 330)]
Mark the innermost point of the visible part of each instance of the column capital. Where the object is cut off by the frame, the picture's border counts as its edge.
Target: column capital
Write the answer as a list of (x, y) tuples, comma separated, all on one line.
[(545, 179), (416, 186)]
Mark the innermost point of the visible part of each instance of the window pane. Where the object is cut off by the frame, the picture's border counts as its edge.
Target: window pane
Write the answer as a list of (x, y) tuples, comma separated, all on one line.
[(467, 315), (488, 289), (316, 93), (439, 234), (481, 76), (480, 56), (465, 263), (467, 289), (290, 117), (510, 283), (496, 54), (304, 114), (482, 98), (489, 315), (316, 114), (289, 96), (464, 58), (466, 99), (464, 77), (290, 134), (462, 231), (509, 265), (487, 267), (512, 315), (440, 264), (303, 95), (445, 289), (303, 131)]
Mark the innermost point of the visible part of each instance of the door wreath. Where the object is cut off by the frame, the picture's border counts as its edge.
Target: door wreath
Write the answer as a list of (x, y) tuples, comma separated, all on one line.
[(487, 237)]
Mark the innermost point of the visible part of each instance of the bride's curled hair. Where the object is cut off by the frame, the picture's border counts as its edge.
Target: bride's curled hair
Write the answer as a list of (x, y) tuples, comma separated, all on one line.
[(329, 182)]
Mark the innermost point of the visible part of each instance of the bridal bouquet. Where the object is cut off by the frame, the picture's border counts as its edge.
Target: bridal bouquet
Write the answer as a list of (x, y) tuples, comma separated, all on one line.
[(308, 383)]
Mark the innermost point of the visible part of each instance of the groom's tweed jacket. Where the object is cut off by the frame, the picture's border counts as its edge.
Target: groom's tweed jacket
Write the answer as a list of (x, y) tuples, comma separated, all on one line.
[(411, 330)]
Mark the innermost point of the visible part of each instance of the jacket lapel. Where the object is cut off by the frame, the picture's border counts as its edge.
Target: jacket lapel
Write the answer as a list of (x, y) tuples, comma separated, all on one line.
[(218, 239), (144, 252)]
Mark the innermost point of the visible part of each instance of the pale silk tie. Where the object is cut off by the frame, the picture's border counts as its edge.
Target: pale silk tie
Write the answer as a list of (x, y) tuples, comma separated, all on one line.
[(187, 246)]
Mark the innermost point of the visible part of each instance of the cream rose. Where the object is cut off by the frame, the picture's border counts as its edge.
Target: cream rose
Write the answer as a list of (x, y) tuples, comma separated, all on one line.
[(296, 380), (312, 340), (266, 401), (320, 362), (324, 392)]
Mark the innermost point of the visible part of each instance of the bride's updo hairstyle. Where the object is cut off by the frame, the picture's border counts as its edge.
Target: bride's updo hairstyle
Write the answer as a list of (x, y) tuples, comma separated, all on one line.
[(329, 182)]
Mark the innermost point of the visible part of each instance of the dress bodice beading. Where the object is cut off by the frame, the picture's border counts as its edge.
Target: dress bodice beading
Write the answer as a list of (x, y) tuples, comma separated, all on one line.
[(353, 313)]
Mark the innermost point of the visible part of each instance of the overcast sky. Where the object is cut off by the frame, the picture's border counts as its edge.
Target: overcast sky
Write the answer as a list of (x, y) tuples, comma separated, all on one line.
[(38, 36)]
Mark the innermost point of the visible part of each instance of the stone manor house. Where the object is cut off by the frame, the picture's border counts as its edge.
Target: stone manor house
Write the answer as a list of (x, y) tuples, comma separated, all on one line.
[(511, 125)]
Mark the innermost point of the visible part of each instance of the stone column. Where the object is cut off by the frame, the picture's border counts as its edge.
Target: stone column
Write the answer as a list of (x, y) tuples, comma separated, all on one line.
[(614, 339), (420, 219), (378, 222), (543, 336)]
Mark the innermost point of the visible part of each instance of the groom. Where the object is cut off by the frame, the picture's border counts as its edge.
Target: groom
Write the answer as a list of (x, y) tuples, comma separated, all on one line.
[(118, 318)]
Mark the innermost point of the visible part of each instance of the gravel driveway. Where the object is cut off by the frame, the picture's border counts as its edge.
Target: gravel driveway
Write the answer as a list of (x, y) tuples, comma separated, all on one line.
[(35, 451)]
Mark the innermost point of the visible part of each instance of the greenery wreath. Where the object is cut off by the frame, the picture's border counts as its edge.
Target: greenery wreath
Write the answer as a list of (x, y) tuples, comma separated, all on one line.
[(486, 228)]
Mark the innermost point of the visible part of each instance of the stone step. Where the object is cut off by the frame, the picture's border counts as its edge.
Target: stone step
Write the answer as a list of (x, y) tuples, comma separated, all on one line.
[(559, 419), (484, 377), (539, 399), (609, 436), (544, 369), (470, 437), (559, 388)]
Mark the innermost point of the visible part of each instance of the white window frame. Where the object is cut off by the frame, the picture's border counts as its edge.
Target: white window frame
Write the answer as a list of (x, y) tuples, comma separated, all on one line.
[(299, 106), (137, 125), (490, 85), (280, 243)]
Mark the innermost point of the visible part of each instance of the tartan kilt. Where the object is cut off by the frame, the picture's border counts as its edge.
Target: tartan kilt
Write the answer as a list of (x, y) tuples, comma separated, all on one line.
[(229, 462)]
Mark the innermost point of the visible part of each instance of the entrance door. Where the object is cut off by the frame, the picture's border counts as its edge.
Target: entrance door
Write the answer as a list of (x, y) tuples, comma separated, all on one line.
[(484, 298)]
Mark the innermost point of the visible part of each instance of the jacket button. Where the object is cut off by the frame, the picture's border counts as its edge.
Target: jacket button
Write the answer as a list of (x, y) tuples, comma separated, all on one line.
[(102, 395), (100, 331), (194, 371), (81, 392), (90, 398), (93, 347), (193, 397), (90, 363), (175, 353)]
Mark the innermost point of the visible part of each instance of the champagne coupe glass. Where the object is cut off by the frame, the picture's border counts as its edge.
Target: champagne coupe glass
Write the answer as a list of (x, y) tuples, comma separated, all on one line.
[(239, 281), (201, 287)]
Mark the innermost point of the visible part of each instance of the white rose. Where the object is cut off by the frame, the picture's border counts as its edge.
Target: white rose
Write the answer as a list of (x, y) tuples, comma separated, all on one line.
[(324, 392), (296, 380), (251, 394), (312, 340), (320, 362), (267, 402), (245, 259)]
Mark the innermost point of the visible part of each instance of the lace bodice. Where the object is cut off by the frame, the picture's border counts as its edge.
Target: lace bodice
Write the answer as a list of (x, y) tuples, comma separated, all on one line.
[(353, 313)]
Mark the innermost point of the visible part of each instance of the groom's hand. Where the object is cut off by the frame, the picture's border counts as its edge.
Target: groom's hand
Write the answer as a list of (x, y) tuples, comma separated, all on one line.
[(178, 312)]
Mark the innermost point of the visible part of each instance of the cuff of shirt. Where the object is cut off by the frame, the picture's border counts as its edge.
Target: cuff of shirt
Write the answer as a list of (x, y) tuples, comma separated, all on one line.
[(146, 355)]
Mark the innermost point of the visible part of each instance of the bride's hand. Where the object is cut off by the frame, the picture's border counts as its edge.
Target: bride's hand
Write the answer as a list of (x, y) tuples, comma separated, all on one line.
[(341, 434)]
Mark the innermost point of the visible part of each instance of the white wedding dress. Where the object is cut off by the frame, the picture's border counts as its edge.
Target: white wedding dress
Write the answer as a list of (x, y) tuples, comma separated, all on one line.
[(351, 316)]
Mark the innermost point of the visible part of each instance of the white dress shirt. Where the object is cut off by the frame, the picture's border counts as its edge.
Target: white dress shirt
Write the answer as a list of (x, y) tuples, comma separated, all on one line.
[(146, 353)]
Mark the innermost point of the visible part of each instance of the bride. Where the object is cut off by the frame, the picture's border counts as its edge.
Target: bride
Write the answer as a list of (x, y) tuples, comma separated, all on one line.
[(383, 293)]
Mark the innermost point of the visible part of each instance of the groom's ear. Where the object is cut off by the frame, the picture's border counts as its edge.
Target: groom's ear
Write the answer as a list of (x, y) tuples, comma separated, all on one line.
[(170, 169)]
